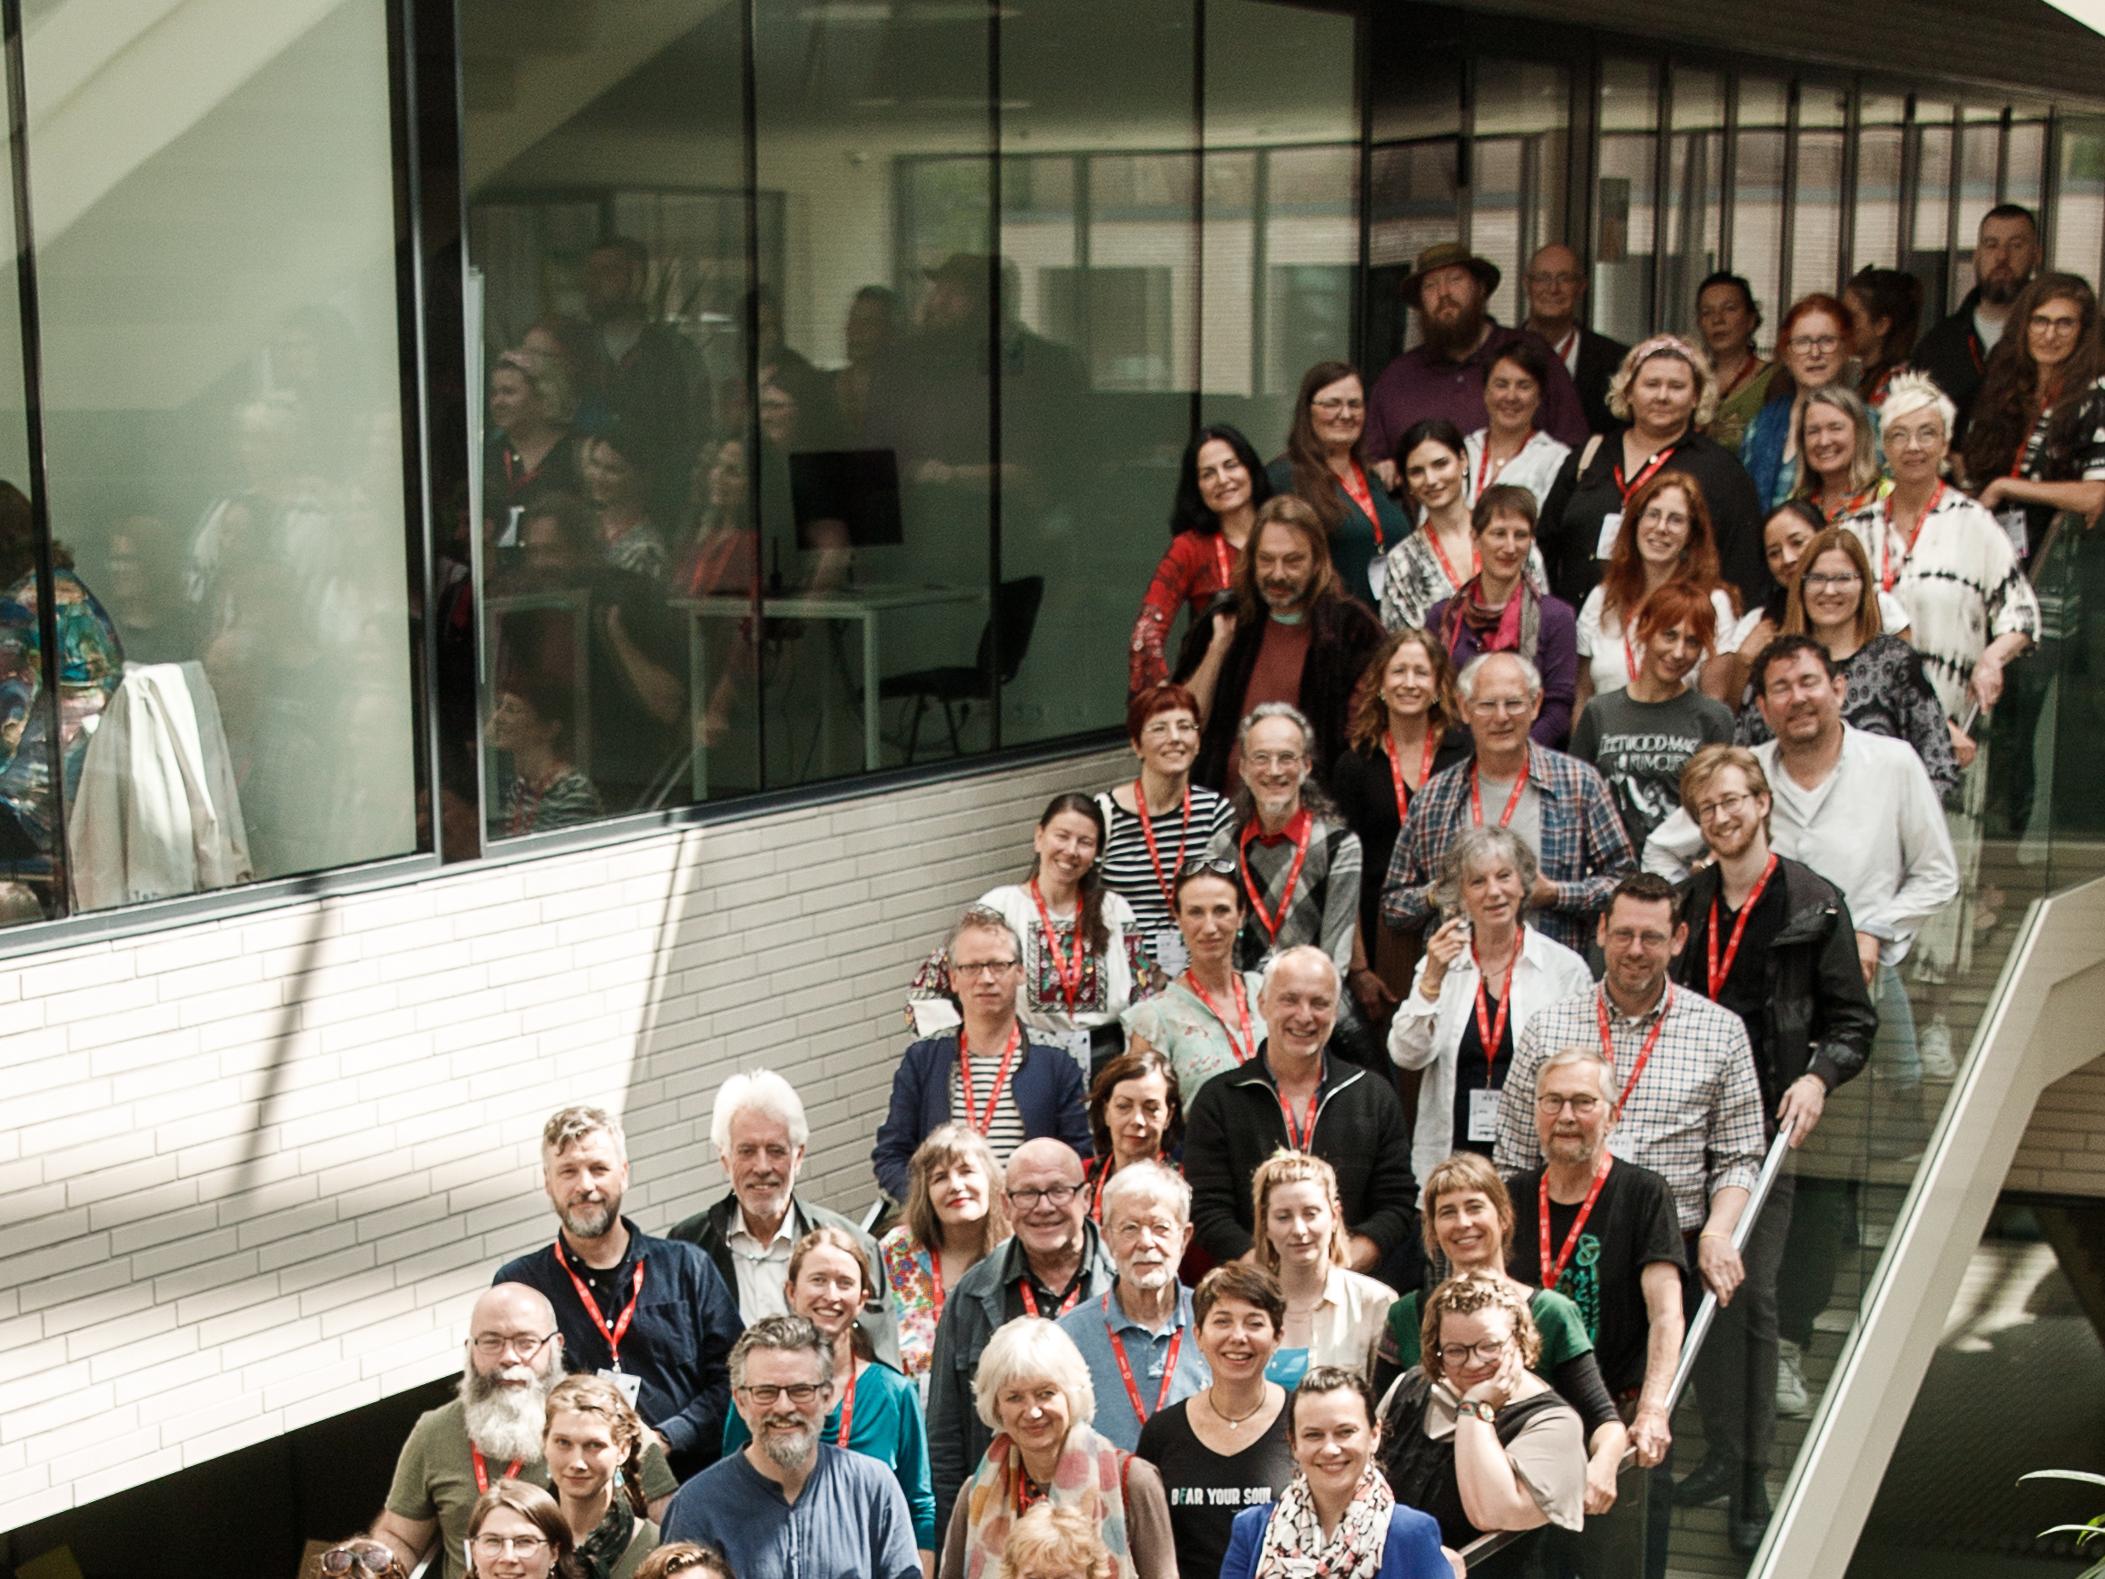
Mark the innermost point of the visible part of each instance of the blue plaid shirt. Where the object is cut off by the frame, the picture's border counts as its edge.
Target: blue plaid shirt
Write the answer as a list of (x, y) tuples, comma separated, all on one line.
[(1584, 849)]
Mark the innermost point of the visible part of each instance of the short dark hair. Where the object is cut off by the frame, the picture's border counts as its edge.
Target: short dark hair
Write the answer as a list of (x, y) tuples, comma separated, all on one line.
[(1253, 1285), (1737, 282), (1647, 888), (1167, 697), (1532, 357), (2010, 211), (1782, 650), (1503, 498), (1134, 1066), (1331, 1379)]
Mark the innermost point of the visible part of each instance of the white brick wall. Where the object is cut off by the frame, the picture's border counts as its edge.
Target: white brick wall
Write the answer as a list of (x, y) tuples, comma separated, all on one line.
[(255, 1167), (2064, 1146)]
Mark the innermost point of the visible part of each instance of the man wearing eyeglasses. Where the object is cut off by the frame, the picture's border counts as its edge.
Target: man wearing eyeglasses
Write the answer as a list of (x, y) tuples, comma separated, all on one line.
[(990, 1072), (653, 1316), (1052, 1263), (491, 1429), (2006, 254), (1603, 1234), (789, 1504), (1556, 285)]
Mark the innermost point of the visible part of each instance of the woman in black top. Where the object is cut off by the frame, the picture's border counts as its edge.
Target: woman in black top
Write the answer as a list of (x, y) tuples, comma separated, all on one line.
[(1405, 728), (1666, 390), (1226, 1448)]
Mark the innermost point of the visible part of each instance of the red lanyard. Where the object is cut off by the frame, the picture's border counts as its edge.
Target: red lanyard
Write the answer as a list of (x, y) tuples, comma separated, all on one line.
[(1298, 830), (1224, 558), (1644, 473), (1125, 1369), (1476, 560), (1030, 1297), (1553, 1270), (1748, 369), (617, 1330), (1301, 1139), (1564, 345), (1242, 1011), (935, 1281), (1888, 572), (1644, 1054), (1849, 506), (1718, 973), (1070, 971), (1147, 832), (1425, 768), (983, 1122), (1493, 1034), (1096, 1196), (1484, 473), (847, 1409), (482, 1470), (1476, 800), (1629, 655), (1355, 484)]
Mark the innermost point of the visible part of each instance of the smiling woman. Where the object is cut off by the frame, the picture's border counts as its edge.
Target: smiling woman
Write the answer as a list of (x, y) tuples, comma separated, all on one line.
[(593, 1446)]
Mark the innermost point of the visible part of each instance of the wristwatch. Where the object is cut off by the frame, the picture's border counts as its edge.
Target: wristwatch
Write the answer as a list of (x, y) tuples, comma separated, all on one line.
[(1472, 1406)]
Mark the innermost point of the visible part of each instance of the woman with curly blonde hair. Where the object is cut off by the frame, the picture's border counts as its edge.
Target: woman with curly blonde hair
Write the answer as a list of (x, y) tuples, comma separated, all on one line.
[(1054, 1542)]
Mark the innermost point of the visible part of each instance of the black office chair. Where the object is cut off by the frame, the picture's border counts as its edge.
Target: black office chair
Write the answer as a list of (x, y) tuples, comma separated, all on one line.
[(956, 688)]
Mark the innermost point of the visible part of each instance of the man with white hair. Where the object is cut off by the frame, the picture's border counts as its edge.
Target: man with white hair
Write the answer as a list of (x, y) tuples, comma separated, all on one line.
[(651, 1315), (760, 1134), (1295, 1094), (1557, 803), (1139, 1338), (490, 1430), (790, 1504)]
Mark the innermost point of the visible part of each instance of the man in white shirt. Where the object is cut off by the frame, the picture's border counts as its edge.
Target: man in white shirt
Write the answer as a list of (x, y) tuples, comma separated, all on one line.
[(1857, 808)]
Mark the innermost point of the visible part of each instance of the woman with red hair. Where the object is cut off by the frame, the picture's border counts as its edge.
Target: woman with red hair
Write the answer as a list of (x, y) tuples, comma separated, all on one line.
[(1665, 536), (1814, 349)]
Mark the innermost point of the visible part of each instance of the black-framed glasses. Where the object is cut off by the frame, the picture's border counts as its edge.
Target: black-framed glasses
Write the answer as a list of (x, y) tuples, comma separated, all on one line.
[(342, 1559), (524, 1344), (1052, 1194), (1489, 1352), (767, 1394)]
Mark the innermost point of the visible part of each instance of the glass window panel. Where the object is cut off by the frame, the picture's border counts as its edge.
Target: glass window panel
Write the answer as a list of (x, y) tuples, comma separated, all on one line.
[(1624, 196), (1099, 353), (1695, 191), (1816, 197), (1980, 148), (1312, 255), (216, 250), (1879, 142), (1416, 201), (1517, 196), (2025, 179), (1929, 254), (1757, 197), (608, 239), (2079, 206)]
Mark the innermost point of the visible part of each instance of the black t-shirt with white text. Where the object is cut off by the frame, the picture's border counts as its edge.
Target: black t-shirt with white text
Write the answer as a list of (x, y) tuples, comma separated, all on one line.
[(1207, 1490)]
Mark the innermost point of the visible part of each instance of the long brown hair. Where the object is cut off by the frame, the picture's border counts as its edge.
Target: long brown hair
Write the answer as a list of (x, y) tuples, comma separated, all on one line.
[(1297, 515), (1623, 579), (1370, 714), (828, 1237), (1314, 481), (1869, 621), (947, 1144), (1089, 893), (2005, 409)]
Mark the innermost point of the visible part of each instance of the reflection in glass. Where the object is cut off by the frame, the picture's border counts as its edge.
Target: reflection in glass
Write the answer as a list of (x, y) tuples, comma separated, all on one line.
[(1623, 264)]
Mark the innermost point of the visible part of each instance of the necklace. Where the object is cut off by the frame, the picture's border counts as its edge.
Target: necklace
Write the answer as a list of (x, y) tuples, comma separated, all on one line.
[(1232, 1422)]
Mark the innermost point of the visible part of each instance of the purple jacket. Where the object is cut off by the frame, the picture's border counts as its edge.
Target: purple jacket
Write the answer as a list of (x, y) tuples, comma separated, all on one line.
[(1556, 655), (1415, 387)]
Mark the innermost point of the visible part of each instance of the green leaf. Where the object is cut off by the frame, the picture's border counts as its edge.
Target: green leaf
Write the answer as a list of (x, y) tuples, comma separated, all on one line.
[(2083, 1476)]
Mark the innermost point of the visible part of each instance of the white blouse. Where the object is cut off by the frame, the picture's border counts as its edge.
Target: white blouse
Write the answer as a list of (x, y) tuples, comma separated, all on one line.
[(1535, 468), (1601, 640)]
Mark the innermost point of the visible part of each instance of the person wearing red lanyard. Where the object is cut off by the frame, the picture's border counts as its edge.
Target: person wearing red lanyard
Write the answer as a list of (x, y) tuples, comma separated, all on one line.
[(652, 1314), (1159, 820), (1206, 1022), (1485, 975), (1503, 608), (1842, 471), (1136, 1337), (953, 1216), (1135, 1116), (529, 409), (1510, 447), (1440, 554), (1220, 484), (876, 1411), (1327, 465), (1556, 285)]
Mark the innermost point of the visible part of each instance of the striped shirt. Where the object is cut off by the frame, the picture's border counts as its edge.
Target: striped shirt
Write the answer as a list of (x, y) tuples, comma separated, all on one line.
[(1694, 1118), (1005, 1134), (1127, 867)]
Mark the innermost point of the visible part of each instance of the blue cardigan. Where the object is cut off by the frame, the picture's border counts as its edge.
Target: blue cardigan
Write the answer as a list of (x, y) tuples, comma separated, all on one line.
[(1046, 1084), (1412, 1550)]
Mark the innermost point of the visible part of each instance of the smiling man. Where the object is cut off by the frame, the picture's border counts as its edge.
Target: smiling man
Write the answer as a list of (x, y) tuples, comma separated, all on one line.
[(789, 1506), (653, 1315)]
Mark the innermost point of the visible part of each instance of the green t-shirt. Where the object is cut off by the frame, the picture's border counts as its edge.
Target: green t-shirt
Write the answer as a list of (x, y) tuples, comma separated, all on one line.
[(1563, 1332), (435, 1481)]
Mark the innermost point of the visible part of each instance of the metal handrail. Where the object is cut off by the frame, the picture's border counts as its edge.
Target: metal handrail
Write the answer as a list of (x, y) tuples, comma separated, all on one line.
[(1691, 1343)]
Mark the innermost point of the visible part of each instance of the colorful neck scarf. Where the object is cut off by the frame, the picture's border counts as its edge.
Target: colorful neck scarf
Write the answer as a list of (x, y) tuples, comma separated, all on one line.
[(1294, 1547), (1090, 1476)]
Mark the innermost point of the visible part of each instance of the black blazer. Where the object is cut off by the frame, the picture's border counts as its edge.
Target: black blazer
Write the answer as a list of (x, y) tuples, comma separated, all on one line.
[(1599, 357)]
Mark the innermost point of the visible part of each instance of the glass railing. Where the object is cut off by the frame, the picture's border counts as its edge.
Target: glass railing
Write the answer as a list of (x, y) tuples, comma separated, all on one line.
[(2028, 821)]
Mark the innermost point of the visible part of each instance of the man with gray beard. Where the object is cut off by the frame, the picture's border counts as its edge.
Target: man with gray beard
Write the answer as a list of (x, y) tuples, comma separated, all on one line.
[(788, 1504), (490, 1431)]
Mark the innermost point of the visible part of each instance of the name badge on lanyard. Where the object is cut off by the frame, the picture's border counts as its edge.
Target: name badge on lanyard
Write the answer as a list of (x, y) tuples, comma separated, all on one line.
[(1483, 1115), (1170, 953)]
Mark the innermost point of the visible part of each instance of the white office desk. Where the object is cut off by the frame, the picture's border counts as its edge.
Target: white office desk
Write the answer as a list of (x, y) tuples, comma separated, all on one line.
[(864, 604)]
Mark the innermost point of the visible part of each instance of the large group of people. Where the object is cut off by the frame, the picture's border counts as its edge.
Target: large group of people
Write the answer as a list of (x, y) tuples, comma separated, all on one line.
[(1570, 750)]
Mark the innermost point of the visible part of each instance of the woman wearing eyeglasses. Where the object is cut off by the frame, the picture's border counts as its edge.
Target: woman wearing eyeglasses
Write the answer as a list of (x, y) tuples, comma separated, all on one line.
[(1325, 465), (1814, 342), (876, 1411), (517, 1531), (361, 1558), (1033, 1391), (593, 1446), (1472, 1435), (2035, 441), (1206, 1022)]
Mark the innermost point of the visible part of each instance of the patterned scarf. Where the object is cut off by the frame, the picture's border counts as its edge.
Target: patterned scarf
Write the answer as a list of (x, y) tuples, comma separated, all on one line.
[(1294, 1547), (1090, 1476), (1517, 627), (605, 1546)]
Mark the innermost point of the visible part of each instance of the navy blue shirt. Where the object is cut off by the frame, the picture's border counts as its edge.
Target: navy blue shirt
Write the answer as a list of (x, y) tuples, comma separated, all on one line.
[(678, 1342), (849, 1522)]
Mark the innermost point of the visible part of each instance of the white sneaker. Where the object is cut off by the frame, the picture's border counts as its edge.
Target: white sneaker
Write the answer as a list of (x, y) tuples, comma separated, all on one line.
[(1934, 1046), (1791, 1400)]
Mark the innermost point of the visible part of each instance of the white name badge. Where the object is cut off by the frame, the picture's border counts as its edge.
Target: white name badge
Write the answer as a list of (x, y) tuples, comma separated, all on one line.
[(2015, 525), (1170, 952), (1077, 1045), (630, 1383), (1611, 528), (1377, 576), (1483, 1116)]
